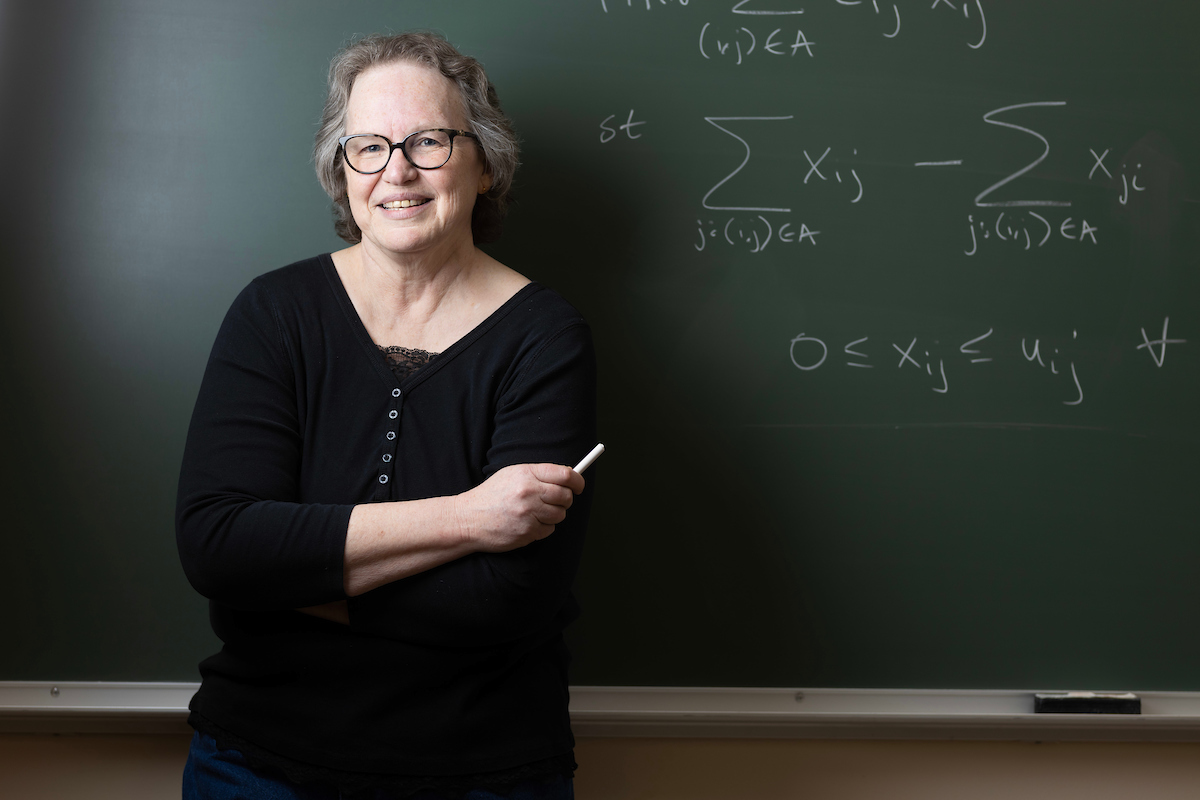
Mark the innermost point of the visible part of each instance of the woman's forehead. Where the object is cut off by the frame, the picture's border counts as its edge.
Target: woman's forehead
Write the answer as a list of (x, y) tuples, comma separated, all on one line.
[(405, 95)]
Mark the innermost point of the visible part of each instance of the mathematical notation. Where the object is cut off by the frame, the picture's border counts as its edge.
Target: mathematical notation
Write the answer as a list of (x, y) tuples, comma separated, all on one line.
[(1021, 213), (1129, 177), (1014, 231), (738, 42), (754, 233), (608, 133), (925, 359), (1130, 186), (742, 42), (972, 14), (1004, 216), (649, 3), (817, 172)]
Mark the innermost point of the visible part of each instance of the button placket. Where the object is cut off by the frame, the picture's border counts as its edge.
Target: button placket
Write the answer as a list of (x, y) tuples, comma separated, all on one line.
[(388, 451)]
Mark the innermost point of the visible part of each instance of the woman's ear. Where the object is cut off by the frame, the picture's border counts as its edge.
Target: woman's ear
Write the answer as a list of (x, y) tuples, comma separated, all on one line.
[(485, 182)]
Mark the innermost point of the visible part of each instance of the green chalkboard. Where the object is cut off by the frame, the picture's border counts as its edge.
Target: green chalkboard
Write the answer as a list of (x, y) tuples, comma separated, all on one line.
[(896, 301)]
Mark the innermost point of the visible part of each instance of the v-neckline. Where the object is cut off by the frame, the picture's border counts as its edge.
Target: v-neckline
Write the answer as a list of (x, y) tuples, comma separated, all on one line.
[(375, 356)]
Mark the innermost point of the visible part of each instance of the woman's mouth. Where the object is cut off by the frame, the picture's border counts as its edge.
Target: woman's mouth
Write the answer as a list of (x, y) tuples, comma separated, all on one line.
[(394, 204)]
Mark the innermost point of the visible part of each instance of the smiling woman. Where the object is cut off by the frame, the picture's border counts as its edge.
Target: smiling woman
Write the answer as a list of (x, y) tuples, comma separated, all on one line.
[(476, 95), (400, 206), (374, 495)]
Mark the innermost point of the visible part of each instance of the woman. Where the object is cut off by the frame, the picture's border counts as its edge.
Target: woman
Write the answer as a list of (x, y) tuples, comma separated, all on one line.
[(373, 494)]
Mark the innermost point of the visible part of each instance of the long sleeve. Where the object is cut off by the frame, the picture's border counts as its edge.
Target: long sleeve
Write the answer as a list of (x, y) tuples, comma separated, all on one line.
[(244, 537), (298, 420), (546, 413)]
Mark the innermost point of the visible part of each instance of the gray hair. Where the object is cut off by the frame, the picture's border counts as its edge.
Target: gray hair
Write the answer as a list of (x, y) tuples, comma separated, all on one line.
[(484, 117)]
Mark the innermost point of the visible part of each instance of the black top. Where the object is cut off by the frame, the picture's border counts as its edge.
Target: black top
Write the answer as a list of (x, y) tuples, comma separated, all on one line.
[(457, 670), (405, 361)]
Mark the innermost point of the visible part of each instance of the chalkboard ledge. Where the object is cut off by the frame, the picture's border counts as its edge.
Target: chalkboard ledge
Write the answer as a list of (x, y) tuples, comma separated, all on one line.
[(931, 714), (604, 711)]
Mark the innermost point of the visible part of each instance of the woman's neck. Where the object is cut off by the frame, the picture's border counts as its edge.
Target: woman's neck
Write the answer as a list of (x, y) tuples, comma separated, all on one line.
[(415, 304)]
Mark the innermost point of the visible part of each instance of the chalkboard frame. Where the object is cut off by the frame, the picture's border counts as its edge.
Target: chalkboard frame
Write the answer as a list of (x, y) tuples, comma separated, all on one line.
[(653, 712)]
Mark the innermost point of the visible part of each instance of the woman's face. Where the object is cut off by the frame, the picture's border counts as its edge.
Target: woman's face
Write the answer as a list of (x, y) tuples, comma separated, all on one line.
[(395, 100)]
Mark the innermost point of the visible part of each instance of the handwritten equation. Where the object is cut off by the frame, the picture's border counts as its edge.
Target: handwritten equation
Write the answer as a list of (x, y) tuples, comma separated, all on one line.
[(1006, 214), (1015, 214), (756, 233), (927, 359), (739, 42), (1014, 229)]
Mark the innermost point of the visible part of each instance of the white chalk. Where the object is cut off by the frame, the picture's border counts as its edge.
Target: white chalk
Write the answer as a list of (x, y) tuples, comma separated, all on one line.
[(589, 458)]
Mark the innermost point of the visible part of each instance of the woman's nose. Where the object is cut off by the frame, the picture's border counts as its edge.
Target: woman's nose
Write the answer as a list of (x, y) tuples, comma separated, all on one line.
[(398, 170)]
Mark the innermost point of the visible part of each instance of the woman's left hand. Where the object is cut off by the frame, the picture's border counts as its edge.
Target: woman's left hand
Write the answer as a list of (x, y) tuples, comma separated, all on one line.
[(514, 507), (517, 506)]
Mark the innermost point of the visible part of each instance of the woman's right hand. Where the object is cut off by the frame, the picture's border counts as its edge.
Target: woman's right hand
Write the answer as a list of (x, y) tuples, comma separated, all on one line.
[(518, 505)]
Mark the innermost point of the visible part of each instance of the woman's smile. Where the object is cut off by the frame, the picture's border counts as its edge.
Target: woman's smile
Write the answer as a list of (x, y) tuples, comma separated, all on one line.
[(404, 203), (403, 207), (401, 210)]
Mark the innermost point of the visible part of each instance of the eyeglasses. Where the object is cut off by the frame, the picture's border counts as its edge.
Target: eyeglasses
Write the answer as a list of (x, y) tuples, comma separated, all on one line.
[(369, 153)]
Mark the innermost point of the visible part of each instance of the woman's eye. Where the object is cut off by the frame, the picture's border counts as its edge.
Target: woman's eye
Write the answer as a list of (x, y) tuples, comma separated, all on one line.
[(371, 148)]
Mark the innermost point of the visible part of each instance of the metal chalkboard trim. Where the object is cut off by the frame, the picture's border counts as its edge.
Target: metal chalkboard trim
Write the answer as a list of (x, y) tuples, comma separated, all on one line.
[(602, 711)]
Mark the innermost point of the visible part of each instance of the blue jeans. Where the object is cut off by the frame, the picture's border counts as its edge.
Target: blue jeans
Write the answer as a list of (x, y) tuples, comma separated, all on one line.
[(213, 774)]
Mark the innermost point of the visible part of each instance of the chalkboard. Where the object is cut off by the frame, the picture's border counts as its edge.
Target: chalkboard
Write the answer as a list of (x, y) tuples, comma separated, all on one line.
[(896, 304)]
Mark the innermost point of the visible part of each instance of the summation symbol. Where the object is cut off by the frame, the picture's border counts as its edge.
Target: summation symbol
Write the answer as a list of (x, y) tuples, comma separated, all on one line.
[(714, 121), (990, 119), (740, 8)]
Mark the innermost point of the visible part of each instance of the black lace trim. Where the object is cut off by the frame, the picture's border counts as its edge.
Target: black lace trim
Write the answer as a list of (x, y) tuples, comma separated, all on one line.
[(351, 784), (405, 361)]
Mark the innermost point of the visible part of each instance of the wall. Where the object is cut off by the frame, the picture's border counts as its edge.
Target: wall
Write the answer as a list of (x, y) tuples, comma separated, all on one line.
[(44, 767)]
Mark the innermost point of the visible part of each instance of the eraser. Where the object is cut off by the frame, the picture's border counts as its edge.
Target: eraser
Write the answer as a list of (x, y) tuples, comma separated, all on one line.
[(1087, 703)]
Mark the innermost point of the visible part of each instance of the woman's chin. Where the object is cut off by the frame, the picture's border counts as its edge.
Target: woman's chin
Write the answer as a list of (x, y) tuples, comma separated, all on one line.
[(404, 243)]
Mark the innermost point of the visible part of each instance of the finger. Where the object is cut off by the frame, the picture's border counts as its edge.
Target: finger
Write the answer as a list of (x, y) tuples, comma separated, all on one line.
[(554, 495), (556, 474), (550, 516), (574, 481), (546, 523)]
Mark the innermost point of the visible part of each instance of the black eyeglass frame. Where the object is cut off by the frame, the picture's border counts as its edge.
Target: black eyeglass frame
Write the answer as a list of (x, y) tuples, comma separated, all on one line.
[(401, 147)]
